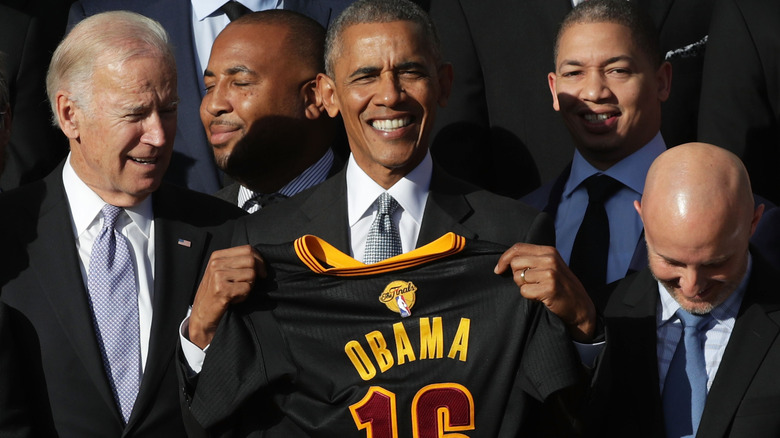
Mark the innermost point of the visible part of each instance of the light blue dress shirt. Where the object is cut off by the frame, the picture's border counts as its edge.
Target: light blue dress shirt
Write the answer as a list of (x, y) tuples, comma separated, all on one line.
[(717, 332), (625, 226)]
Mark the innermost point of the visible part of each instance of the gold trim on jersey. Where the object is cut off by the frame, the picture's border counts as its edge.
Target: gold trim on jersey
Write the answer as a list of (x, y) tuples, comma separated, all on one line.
[(323, 258)]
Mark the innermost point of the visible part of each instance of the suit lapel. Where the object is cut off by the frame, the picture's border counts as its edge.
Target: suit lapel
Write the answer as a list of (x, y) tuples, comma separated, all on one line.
[(633, 360), (59, 273), (754, 333), (556, 192), (325, 212), (445, 210), (179, 251)]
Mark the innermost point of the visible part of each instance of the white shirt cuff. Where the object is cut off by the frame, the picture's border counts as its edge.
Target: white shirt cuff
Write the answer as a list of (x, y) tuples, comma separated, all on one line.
[(588, 352), (192, 353)]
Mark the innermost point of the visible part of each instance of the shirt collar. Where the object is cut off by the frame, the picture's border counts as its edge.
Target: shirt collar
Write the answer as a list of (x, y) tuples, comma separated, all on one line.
[(205, 8), (725, 313), (411, 191), (85, 204), (631, 171), (313, 175)]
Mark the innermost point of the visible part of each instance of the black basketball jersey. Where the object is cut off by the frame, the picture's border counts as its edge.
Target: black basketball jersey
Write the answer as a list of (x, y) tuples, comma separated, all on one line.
[(427, 343)]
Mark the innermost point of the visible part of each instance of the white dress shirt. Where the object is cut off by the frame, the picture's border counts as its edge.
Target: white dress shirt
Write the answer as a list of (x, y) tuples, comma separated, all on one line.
[(208, 21), (411, 192), (137, 225)]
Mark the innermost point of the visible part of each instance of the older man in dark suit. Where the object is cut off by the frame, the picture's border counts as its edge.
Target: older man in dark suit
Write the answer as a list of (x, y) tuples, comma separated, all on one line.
[(101, 261), (693, 341)]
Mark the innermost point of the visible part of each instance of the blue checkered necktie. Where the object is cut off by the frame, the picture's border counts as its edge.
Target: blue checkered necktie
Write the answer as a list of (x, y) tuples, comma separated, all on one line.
[(114, 299), (685, 389), (383, 240)]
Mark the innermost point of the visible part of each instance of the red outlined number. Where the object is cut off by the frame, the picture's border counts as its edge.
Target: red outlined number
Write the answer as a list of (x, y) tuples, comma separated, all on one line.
[(436, 410), (376, 413), (440, 408)]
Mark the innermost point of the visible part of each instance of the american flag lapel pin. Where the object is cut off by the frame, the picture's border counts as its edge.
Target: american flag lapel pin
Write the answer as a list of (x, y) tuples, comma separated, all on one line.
[(185, 243)]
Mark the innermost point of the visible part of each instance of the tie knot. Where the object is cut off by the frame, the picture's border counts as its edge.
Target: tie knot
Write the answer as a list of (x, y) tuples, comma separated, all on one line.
[(601, 187), (110, 215), (234, 10), (263, 200), (690, 320), (387, 204)]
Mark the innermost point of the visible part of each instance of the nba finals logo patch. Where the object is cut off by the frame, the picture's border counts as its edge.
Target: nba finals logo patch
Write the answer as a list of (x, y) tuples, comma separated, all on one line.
[(399, 296)]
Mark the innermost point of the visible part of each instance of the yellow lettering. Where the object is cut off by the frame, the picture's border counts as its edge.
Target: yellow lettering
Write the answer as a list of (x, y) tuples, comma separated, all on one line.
[(379, 346), (460, 345), (403, 345), (360, 360), (431, 341)]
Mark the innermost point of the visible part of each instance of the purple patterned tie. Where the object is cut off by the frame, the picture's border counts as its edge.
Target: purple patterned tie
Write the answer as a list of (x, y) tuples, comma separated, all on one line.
[(383, 240), (114, 299)]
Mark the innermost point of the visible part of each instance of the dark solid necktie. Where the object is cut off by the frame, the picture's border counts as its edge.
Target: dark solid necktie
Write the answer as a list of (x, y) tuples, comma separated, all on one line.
[(589, 254), (114, 300), (685, 388), (383, 240), (234, 10), (261, 200)]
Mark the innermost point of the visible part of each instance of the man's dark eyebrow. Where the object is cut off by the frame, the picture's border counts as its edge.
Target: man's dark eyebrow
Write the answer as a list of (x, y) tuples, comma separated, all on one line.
[(569, 62), (615, 59), (612, 60), (410, 65), (231, 71), (239, 69), (364, 71)]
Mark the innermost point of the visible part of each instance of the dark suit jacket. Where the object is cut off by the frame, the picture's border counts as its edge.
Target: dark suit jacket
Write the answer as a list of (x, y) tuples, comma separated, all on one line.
[(193, 160), (52, 380), (453, 205), (766, 238), (499, 126), (36, 147), (740, 96), (744, 396)]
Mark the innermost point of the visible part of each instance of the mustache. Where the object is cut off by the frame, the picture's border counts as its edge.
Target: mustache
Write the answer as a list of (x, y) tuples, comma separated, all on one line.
[(228, 123)]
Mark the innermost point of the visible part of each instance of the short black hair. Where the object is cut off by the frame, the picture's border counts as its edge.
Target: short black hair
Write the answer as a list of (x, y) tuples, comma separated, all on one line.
[(306, 36), (379, 11), (623, 12)]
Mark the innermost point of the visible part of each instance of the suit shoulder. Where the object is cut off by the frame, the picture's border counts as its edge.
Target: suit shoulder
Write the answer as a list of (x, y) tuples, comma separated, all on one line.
[(617, 292), (22, 203), (195, 208), (228, 193), (501, 207)]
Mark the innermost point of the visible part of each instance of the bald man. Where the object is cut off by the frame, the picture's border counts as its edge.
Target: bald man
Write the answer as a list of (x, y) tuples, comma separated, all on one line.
[(698, 213)]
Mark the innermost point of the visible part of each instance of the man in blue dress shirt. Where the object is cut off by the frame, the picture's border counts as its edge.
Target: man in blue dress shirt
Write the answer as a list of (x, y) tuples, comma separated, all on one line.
[(609, 82)]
